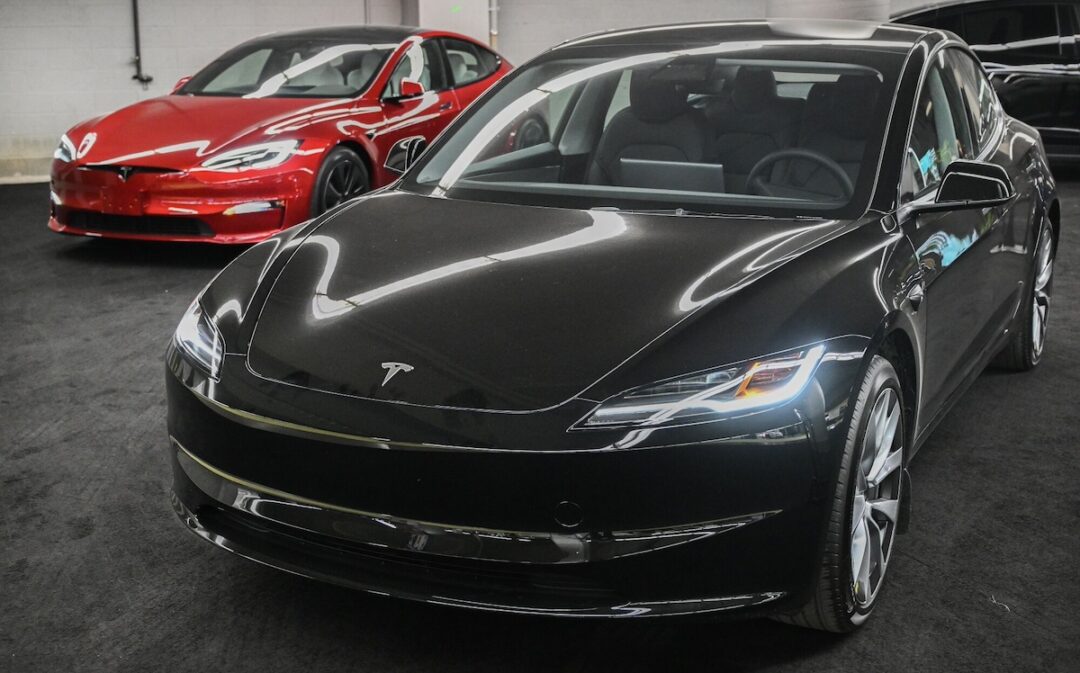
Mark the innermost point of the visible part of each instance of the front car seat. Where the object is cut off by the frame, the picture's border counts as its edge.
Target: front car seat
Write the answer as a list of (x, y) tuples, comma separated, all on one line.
[(658, 125), (459, 68), (359, 76), (836, 123), (753, 122), (322, 75)]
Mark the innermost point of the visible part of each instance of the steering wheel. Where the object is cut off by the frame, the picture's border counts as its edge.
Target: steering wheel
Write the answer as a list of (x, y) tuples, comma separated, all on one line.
[(754, 178)]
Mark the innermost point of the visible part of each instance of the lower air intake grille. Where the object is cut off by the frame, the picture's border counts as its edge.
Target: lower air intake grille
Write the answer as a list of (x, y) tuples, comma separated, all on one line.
[(568, 585), (163, 225)]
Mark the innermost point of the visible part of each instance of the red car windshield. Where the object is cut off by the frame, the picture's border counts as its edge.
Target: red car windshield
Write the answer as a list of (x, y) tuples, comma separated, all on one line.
[(289, 67)]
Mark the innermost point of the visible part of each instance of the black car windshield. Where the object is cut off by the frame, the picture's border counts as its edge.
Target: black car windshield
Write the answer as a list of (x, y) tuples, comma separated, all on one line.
[(784, 130), (291, 67)]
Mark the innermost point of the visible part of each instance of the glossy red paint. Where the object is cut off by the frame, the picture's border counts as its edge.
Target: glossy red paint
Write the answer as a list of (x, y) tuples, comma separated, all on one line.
[(137, 172)]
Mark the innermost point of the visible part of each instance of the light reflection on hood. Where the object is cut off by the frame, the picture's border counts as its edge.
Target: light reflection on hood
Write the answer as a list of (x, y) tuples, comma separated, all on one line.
[(605, 225)]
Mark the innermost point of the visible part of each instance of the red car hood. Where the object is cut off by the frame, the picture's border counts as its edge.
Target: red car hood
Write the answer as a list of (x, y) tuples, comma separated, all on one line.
[(179, 131)]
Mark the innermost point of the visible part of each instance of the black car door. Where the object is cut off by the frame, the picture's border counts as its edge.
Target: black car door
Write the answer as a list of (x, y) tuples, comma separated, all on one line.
[(954, 248), (1006, 226)]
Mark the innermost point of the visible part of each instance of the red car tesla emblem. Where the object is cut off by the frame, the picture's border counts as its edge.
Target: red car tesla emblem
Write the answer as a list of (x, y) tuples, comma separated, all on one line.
[(87, 142)]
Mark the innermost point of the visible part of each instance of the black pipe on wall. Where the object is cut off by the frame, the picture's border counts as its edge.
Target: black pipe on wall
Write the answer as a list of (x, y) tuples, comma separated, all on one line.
[(139, 76)]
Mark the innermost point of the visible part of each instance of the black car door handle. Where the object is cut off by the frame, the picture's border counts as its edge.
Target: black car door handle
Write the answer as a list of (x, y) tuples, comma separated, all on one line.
[(444, 106)]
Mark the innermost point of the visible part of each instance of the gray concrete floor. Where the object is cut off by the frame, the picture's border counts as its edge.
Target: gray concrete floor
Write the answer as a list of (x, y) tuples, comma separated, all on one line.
[(98, 575)]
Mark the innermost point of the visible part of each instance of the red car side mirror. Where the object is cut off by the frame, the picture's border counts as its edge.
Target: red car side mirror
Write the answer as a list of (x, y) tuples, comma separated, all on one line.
[(180, 83), (410, 88)]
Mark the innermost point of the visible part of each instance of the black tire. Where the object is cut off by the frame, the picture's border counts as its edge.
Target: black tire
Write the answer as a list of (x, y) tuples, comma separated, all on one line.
[(832, 605), (1022, 353), (343, 175)]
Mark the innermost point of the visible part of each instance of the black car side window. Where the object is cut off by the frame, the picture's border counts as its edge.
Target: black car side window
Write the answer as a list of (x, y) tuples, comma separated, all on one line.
[(468, 62), (977, 95), (940, 134)]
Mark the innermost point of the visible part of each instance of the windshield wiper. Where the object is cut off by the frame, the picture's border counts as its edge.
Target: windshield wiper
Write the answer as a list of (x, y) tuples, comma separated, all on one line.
[(663, 211), (686, 212)]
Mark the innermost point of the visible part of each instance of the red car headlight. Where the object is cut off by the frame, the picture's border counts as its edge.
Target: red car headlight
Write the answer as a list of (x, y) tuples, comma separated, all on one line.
[(263, 155)]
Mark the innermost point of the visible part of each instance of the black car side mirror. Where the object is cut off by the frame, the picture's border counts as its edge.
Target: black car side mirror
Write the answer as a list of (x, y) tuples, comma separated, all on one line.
[(971, 184)]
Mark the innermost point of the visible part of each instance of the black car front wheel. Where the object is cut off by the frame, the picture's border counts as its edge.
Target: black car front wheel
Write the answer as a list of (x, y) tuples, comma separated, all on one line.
[(863, 521), (342, 176)]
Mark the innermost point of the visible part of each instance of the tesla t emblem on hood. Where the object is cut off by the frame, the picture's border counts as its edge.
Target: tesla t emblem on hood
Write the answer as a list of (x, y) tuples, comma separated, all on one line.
[(125, 172), (392, 368), (87, 142)]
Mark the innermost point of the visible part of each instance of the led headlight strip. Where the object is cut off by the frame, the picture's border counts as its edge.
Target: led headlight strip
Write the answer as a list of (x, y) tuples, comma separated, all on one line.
[(198, 338), (751, 385), (65, 151), (263, 155)]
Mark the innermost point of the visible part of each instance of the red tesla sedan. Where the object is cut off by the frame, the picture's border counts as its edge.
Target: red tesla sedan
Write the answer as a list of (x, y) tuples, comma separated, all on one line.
[(273, 132)]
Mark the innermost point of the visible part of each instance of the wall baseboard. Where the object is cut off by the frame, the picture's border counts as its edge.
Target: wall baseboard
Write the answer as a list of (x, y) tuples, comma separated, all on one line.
[(22, 179), (24, 169)]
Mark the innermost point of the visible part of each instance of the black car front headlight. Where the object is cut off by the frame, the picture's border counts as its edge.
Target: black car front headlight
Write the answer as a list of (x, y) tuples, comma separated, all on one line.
[(65, 151), (745, 387), (199, 339)]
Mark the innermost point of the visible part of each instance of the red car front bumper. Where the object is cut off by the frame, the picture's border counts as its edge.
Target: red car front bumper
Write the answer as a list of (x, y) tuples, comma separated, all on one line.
[(202, 207)]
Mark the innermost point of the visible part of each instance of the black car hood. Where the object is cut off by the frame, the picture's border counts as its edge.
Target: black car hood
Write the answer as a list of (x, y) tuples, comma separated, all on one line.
[(499, 307)]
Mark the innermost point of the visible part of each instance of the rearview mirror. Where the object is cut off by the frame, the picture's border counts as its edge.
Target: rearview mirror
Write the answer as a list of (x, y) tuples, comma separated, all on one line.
[(407, 89), (180, 83), (971, 184)]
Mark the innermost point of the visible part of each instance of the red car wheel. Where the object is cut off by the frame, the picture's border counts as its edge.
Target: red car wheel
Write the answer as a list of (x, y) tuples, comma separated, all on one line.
[(342, 176)]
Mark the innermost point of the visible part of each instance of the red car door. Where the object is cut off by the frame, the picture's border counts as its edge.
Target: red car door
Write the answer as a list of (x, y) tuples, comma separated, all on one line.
[(417, 103), (472, 69)]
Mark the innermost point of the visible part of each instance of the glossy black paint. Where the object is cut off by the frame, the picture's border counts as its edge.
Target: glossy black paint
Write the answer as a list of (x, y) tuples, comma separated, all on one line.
[(520, 319), (1038, 81)]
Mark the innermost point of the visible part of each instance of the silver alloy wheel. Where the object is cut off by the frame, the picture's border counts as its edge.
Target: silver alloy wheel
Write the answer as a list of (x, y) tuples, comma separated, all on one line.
[(1040, 310), (876, 504)]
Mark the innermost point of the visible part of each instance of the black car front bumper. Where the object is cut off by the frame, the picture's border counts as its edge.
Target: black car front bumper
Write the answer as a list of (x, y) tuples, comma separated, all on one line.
[(728, 526), (249, 523)]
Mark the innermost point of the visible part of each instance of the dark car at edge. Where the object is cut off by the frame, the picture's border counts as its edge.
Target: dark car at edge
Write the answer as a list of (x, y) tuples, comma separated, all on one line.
[(1031, 52), (673, 358)]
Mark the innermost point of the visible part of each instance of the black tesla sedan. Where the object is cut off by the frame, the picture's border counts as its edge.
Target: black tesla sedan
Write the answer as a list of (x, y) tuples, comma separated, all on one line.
[(674, 359), (1030, 51)]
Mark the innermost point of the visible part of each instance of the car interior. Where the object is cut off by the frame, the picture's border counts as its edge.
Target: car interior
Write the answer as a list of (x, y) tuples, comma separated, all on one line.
[(460, 68), (704, 128), (310, 70), (346, 75), (413, 65)]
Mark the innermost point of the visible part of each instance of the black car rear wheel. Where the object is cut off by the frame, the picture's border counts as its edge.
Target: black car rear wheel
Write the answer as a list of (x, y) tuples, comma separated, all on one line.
[(342, 176), (863, 522)]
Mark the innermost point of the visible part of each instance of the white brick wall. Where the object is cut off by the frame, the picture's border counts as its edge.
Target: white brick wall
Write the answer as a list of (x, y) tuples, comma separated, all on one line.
[(527, 27), (62, 61), (873, 10)]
